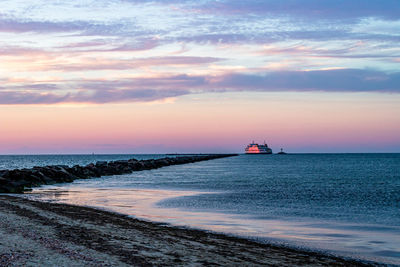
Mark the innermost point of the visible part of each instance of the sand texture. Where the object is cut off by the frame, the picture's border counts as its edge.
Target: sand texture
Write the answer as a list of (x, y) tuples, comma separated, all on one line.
[(45, 234)]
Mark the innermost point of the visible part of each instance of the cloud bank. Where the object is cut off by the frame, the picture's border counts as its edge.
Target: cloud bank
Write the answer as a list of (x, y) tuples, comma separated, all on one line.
[(128, 50), (151, 89)]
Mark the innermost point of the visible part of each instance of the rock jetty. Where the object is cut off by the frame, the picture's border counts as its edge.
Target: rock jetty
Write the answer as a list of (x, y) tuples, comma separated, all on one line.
[(20, 180)]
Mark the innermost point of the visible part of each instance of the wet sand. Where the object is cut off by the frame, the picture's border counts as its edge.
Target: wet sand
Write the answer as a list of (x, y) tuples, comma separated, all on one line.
[(37, 233)]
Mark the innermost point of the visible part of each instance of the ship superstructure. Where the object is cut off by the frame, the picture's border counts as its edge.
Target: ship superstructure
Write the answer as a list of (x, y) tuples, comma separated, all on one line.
[(255, 148)]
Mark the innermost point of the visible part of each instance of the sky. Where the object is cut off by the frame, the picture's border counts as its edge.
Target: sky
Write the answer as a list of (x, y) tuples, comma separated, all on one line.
[(129, 76)]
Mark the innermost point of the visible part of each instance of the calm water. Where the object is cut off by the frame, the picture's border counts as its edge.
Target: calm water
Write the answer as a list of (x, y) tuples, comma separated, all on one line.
[(346, 204), (29, 161)]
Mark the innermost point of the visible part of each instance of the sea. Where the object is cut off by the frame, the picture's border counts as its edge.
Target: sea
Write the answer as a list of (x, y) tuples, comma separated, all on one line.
[(341, 204)]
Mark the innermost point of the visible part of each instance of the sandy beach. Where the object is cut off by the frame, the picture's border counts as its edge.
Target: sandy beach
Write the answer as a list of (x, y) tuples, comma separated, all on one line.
[(37, 233)]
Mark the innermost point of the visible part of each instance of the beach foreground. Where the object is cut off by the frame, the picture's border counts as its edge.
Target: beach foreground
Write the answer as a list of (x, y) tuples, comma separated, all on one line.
[(50, 234)]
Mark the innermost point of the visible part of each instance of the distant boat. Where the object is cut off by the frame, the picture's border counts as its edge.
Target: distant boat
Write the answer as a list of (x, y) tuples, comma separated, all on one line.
[(254, 148)]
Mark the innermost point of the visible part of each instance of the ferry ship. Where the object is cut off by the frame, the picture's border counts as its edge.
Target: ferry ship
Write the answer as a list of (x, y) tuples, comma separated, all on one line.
[(254, 148)]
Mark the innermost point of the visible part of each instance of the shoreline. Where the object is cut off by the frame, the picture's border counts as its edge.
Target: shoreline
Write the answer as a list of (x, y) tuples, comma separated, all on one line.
[(63, 234), (145, 205)]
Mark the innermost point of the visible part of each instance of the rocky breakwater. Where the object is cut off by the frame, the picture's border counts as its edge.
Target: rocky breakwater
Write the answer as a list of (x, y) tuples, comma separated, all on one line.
[(20, 180)]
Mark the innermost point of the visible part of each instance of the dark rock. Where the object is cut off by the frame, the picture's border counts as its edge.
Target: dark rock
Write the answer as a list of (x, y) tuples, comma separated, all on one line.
[(101, 164), (7, 186), (17, 181), (122, 162)]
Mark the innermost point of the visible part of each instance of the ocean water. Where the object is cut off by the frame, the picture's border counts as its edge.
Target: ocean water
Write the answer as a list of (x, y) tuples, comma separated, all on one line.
[(344, 204), (29, 161)]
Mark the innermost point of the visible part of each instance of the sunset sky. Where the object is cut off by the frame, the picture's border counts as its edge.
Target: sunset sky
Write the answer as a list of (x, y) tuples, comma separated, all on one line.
[(129, 76)]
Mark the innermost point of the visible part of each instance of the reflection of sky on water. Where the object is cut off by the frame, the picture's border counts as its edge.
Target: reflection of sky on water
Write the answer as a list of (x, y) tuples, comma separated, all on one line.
[(373, 242)]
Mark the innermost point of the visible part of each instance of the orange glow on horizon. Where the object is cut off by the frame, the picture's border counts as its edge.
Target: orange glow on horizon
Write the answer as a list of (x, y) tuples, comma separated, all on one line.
[(193, 122)]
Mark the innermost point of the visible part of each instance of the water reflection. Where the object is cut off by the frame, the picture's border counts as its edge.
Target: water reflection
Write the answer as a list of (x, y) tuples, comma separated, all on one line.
[(338, 238)]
